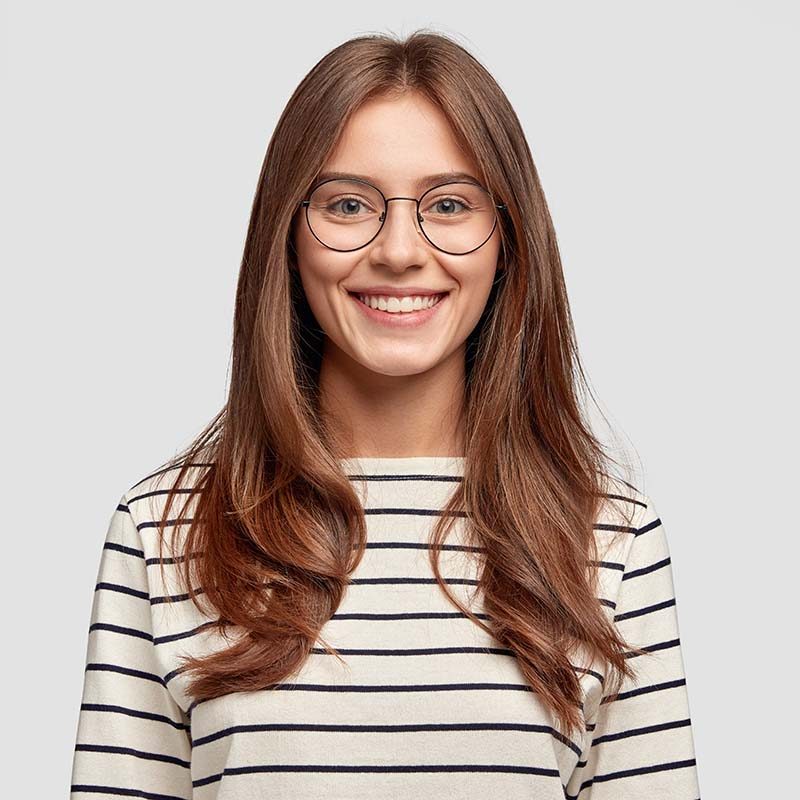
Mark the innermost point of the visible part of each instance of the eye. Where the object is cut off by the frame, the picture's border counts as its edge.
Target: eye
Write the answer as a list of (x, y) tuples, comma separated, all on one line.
[(347, 206), (445, 206), (448, 206)]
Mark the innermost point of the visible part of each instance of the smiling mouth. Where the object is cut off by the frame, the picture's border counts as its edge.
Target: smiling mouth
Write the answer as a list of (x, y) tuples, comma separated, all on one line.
[(391, 304)]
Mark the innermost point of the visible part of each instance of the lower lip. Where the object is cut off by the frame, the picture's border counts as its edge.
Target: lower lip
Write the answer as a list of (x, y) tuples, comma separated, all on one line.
[(408, 319)]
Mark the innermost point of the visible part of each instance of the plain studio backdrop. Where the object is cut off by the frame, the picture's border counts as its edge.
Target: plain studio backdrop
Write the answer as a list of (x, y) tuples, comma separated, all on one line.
[(666, 140)]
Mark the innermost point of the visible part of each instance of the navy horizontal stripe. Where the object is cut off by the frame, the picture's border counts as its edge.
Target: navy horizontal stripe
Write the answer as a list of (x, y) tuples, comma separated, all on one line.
[(419, 700)]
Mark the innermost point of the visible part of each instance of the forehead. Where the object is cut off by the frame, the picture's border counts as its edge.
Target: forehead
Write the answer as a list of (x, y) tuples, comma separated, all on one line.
[(400, 144)]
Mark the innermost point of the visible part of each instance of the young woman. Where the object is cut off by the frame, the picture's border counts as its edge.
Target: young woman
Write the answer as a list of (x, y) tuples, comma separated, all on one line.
[(398, 562)]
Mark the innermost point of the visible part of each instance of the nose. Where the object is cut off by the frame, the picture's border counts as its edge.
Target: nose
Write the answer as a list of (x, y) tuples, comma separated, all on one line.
[(397, 237)]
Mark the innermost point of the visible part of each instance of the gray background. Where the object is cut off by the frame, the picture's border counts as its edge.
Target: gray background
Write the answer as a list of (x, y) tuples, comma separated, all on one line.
[(666, 140)]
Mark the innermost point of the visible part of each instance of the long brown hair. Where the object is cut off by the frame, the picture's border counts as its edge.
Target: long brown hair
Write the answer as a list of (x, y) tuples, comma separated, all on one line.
[(277, 527)]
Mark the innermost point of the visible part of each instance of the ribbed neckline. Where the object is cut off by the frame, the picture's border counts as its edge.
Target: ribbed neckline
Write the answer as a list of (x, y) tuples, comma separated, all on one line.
[(398, 465)]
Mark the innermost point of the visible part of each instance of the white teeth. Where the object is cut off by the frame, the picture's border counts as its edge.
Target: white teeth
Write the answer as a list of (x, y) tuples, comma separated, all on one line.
[(398, 305)]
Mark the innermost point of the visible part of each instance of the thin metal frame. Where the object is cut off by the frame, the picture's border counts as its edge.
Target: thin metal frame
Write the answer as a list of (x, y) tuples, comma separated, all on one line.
[(385, 214)]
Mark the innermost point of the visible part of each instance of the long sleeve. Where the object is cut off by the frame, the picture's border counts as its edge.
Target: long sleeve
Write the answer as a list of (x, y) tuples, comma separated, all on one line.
[(642, 744), (133, 739)]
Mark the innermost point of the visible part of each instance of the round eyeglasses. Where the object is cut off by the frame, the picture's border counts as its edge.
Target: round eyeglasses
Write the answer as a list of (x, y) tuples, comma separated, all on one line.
[(456, 217)]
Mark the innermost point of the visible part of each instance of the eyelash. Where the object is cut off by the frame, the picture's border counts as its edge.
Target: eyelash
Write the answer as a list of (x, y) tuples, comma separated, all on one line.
[(464, 203)]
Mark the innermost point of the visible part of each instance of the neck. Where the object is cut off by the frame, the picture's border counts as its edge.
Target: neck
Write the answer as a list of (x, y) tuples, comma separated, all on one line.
[(393, 416)]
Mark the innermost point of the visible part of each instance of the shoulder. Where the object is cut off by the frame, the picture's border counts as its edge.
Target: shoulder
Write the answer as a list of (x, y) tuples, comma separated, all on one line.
[(622, 505), (622, 512), (146, 498)]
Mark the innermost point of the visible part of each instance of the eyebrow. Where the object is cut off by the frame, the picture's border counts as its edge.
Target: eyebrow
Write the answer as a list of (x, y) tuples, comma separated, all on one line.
[(425, 182)]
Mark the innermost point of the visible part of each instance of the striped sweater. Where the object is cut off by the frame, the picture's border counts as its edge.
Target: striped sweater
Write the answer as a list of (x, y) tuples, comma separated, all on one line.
[(426, 704)]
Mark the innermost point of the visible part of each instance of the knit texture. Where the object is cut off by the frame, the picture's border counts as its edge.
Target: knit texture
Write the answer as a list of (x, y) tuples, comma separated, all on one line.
[(426, 705)]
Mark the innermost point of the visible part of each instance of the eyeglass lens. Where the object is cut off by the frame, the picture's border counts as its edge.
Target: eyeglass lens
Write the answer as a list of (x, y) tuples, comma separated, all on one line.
[(456, 217)]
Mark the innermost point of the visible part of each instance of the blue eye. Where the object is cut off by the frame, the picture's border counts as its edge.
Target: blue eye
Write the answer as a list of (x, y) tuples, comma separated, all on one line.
[(349, 203), (448, 206), (449, 200), (348, 207)]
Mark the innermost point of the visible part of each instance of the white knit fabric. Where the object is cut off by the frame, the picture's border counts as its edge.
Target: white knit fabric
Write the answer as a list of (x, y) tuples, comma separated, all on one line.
[(426, 705)]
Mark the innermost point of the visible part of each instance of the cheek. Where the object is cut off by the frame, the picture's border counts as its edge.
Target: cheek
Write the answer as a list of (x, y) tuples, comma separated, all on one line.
[(321, 274), (475, 280), (316, 285), (475, 275)]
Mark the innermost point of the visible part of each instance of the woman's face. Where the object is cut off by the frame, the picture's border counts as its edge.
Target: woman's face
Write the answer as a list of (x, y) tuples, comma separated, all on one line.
[(396, 144)]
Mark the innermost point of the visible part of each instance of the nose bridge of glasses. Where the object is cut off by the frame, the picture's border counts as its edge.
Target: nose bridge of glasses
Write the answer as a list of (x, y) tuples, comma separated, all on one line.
[(414, 200)]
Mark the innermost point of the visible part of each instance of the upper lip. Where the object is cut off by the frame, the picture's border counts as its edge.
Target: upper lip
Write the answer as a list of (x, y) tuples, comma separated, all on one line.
[(399, 291)]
